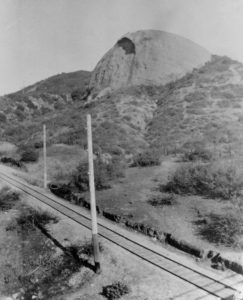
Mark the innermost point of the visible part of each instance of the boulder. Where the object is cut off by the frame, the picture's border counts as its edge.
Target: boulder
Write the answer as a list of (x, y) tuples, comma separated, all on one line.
[(146, 57)]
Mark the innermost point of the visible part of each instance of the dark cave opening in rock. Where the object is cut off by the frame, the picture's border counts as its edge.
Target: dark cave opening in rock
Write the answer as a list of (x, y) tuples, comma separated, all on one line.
[(127, 45)]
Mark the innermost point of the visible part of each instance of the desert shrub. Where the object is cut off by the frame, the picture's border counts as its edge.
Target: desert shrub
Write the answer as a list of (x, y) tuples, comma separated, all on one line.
[(38, 144), (224, 230), (20, 115), (3, 118), (115, 290), (45, 110), (80, 94), (127, 118), (197, 153), (8, 198), (206, 179), (240, 119), (146, 159), (217, 64), (195, 111), (163, 199), (115, 168), (58, 105), (20, 107), (107, 125), (11, 161), (237, 105), (71, 137), (103, 173), (29, 217), (81, 177), (195, 97), (29, 156), (85, 249), (115, 150), (225, 103), (30, 104)]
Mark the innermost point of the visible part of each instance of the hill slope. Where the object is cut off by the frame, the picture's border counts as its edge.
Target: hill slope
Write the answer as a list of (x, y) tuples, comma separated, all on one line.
[(44, 96), (149, 57), (205, 105)]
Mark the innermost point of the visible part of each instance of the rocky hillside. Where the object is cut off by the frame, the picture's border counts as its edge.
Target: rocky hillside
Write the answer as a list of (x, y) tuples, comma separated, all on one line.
[(48, 95), (204, 106), (148, 57)]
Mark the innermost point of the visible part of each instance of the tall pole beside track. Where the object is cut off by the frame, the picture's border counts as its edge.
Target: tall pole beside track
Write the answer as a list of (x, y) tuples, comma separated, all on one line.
[(92, 198), (44, 156)]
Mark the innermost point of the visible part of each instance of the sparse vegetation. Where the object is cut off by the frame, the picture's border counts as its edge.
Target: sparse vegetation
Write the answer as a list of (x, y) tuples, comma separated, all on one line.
[(41, 273), (211, 180), (115, 291)]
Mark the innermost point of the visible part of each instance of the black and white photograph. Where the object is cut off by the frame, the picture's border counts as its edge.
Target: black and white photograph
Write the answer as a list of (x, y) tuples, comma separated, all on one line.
[(121, 149)]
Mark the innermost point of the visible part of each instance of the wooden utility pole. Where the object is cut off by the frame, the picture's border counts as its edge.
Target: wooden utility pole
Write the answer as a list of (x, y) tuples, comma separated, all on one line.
[(92, 198), (44, 156)]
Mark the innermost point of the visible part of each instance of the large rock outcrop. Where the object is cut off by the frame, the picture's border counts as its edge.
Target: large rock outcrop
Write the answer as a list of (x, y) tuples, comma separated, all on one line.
[(149, 57)]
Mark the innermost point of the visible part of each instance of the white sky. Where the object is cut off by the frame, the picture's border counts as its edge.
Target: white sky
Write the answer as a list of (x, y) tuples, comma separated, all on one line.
[(41, 38)]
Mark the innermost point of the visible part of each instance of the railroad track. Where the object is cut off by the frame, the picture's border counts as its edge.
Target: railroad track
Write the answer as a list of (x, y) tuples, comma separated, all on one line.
[(214, 288)]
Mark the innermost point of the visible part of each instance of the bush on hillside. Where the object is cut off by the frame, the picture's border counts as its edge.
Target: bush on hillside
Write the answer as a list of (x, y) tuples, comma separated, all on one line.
[(11, 161), (71, 137), (197, 154), (29, 156), (162, 200), (196, 96), (206, 179), (38, 144), (19, 114), (8, 198), (20, 107), (224, 230), (3, 118), (147, 158), (103, 173), (196, 150), (115, 150), (80, 94), (85, 249), (30, 104), (30, 216)]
